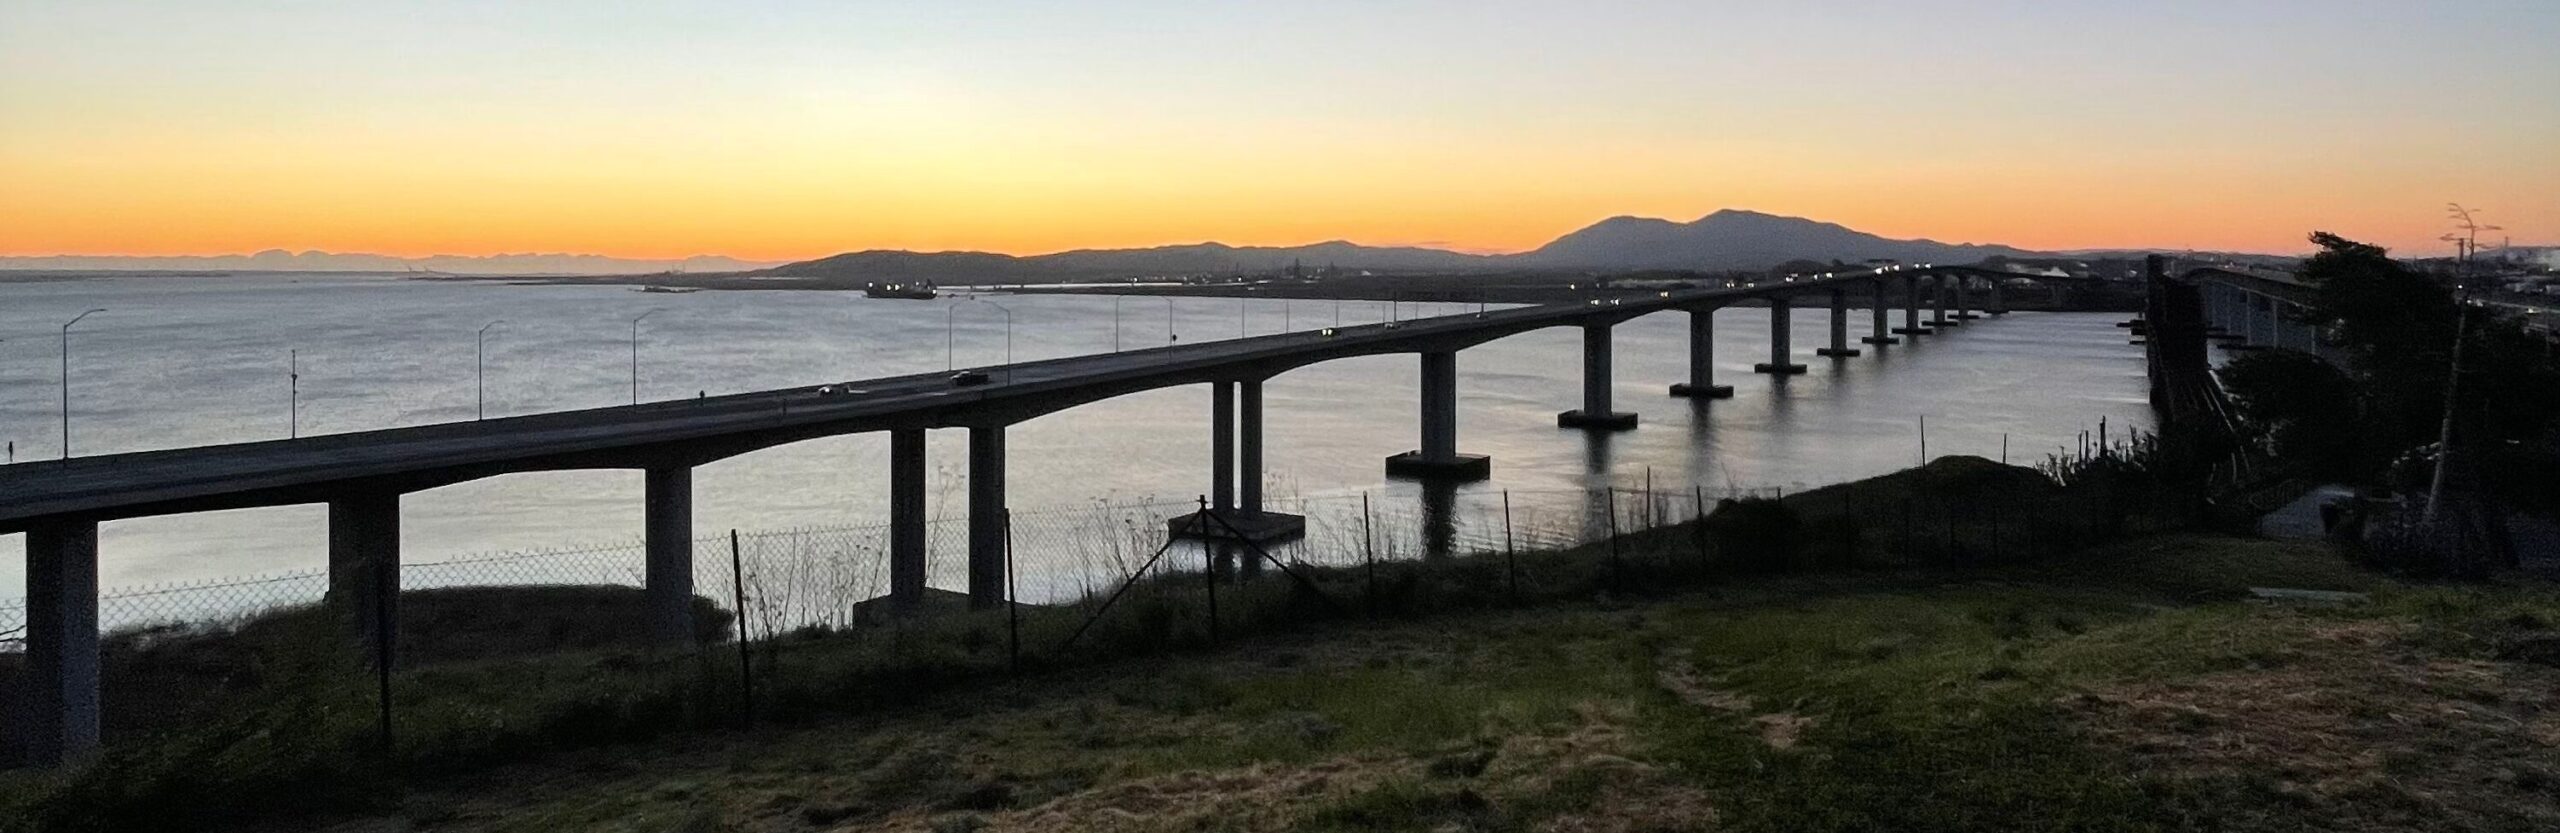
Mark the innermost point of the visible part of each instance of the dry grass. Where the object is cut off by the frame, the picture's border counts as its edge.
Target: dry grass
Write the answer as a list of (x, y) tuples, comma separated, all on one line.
[(2364, 730), (2139, 697)]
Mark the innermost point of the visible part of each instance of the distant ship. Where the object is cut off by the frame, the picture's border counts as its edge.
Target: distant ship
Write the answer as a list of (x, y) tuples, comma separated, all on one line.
[(670, 290), (916, 291)]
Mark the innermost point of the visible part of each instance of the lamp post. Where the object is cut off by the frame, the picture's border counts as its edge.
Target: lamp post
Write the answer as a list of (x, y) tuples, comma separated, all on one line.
[(66, 379), (293, 394), (635, 351), (1115, 321), (950, 337), (480, 366), (1169, 336)]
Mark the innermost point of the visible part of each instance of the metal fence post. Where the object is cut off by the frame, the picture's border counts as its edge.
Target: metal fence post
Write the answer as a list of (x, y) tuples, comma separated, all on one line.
[(1012, 601), (1698, 528), (1369, 553), (1615, 568), (1510, 550), (746, 668), (1995, 531), (387, 584), (1209, 573)]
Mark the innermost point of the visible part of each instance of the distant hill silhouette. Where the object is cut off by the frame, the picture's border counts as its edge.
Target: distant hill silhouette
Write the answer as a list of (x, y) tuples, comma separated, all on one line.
[(279, 260), (1727, 239), (1735, 239), (1197, 258), (1730, 239)]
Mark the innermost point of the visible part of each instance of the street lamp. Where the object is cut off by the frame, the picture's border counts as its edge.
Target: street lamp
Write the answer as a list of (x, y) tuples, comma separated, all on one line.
[(635, 351), (1169, 337), (950, 338), (66, 379), (1115, 321), (480, 365)]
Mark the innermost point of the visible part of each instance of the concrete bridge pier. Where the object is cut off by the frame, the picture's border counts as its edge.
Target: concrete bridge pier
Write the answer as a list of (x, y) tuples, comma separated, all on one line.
[(364, 570), (1235, 444), (1999, 297), (1595, 413), (1222, 446), (986, 517), (61, 671), (2222, 313), (1839, 348), (1883, 328), (906, 518), (1938, 317), (1964, 304), (1702, 359), (1438, 458), (667, 584), (1911, 325), (1778, 364), (2304, 335)]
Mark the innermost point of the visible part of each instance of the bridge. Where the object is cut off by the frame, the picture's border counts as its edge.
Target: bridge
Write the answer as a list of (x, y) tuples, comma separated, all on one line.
[(362, 476)]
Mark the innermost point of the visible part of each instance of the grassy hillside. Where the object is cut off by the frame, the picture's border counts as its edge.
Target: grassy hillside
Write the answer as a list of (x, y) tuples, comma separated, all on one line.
[(2130, 688)]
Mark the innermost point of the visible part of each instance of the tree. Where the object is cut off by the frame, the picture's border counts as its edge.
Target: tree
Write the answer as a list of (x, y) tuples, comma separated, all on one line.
[(2301, 406), (2399, 326)]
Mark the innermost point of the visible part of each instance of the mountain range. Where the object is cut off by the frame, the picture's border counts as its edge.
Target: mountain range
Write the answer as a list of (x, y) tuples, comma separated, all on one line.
[(1728, 239), (1725, 240), (279, 260)]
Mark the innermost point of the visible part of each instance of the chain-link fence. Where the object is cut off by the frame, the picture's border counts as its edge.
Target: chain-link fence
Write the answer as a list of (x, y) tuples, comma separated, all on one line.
[(504, 651)]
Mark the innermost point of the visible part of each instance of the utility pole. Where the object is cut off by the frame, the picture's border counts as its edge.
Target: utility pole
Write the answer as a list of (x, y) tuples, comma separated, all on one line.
[(2444, 431)]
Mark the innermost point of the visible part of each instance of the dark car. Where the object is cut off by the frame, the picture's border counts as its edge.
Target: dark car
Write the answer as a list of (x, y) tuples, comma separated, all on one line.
[(969, 378)]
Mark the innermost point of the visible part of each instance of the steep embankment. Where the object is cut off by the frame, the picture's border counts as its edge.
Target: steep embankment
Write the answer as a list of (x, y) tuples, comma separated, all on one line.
[(2127, 688)]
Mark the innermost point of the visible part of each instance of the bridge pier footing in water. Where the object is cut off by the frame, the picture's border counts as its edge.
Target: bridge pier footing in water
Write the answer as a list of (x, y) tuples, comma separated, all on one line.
[(1438, 458), (1779, 353), (1595, 414), (1702, 359)]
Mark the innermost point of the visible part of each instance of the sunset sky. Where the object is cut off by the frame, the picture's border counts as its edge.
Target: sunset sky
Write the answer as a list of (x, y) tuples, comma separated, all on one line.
[(777, 130)]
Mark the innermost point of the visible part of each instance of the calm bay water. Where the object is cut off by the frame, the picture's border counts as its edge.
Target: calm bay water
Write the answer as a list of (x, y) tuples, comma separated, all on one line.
[(176, 362)]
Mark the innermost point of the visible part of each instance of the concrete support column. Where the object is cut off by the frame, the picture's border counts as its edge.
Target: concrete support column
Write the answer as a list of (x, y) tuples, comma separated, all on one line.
[(668, 530), (364, 570), (1596, 376), (1999, 297), (1883, 328), (1438, 458), (1595, 411), (2263, 328), (1911, 325), (986, 516), (1938, 317), (62, 642), (1222, 445), (1839, 348), (1249, 446), (1702, 359), (1779, 330), (1439, 405), (1964, 304), (906, 517)]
